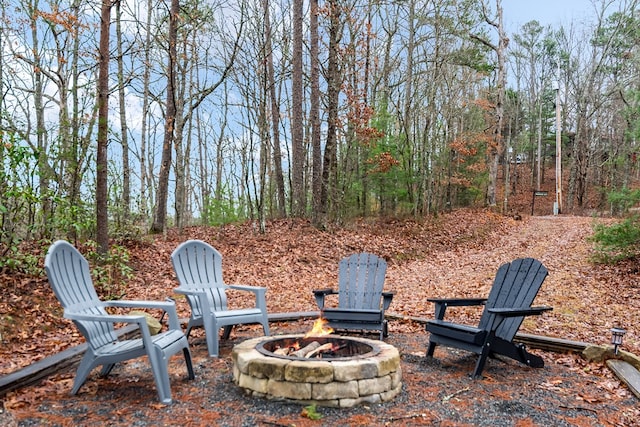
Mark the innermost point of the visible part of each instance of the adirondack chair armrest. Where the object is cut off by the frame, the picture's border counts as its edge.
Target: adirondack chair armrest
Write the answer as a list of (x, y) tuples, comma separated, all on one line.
[(169, 307), (189, 291), (387, 297), (441, 304), (255, 289), (500, 314), (520, 311), (199, 293), (259, 291), (458, 302), (319, 294), (114, 318)]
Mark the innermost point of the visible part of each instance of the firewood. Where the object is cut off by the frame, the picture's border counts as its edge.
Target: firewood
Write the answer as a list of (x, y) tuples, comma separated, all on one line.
[(324, 347), (282, 351), (306, 349)]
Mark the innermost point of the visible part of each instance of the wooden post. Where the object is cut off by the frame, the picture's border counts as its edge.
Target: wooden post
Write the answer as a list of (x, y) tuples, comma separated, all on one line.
[(533, 198), (558, 152)]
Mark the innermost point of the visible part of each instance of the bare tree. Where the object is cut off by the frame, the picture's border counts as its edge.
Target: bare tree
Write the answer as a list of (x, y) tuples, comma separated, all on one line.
[(275, 114), (297, 124), (102, 197), (496, 148), (314, 114), (124, 130), (160, 211), (329, 164)]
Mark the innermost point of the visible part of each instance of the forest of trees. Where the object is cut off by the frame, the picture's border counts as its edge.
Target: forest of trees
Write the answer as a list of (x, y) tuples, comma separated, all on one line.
[(184, 112)]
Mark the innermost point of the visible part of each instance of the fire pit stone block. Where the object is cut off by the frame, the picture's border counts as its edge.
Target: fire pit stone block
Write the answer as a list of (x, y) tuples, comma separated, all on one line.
[(272, 369), (335, 390), (389, 395), (374, 385), (371, 399), (257, 385), (288, 390), (310, 371), (388, 360), (354, 370)]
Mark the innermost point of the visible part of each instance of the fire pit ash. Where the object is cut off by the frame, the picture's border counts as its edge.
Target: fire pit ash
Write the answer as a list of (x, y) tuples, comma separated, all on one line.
[(329, 371)]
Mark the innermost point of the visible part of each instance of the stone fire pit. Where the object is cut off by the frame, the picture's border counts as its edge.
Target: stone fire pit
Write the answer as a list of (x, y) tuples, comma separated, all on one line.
[(372, 376)]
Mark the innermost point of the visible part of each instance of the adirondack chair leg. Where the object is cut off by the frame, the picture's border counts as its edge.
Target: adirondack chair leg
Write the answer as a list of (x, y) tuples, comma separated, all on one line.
[(482, 360), (86, 366), (226, 333), (431, 348), (158, 360), (187, 360), (532, 360), (265, 324), (517, 352), (106, 369), (211, 331), (212, 344)]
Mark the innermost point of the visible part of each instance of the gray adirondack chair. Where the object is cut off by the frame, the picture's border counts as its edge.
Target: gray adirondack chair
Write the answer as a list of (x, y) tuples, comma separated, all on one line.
[(69, 275), (515, 286), (198, 267), (361, 301)]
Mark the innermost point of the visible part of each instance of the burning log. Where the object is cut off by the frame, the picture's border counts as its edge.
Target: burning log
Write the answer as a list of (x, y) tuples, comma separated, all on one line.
[(321, 349), (306, 349), (283, 351)]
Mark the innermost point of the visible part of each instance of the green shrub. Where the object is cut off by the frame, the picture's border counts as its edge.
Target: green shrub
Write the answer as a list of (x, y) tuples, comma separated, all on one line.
[(16, 259), (621, 200), (110, 273), (621, 240), (618, 241)]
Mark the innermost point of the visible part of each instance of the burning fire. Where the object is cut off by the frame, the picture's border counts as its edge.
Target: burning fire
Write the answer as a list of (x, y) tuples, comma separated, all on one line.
[(319, 329), (314, 348)]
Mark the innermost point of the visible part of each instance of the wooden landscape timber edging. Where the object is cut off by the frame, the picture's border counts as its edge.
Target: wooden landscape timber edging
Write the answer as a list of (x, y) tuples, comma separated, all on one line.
[(627, 374), (70, 357)]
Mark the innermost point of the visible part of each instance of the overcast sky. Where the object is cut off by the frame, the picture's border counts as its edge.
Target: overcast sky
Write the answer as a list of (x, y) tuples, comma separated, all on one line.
[(547, 12)]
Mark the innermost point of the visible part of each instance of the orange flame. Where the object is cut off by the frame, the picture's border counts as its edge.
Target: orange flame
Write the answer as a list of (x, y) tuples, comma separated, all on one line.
[(319, 329)]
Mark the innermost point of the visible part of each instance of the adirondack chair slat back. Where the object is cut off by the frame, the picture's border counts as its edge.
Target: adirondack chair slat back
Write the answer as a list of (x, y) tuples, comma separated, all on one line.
[(199, 266), (360, 281), (70, 278), (516, 285)]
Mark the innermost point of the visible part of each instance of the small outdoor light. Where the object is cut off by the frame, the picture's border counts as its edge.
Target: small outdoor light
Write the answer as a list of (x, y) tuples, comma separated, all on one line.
[(616, 338)]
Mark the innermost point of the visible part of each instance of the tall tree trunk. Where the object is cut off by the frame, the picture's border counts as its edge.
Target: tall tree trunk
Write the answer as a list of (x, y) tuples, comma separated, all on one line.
[(41, 130), (314, 114), (496, 146), (275, 115), (145, 181), (126, 171), (160, 214), (181, 168), (102, 218), (333, 93), (297, 129), (407, 116)]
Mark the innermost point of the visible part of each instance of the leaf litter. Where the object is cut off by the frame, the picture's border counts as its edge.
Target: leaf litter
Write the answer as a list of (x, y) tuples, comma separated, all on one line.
[(455, 254)]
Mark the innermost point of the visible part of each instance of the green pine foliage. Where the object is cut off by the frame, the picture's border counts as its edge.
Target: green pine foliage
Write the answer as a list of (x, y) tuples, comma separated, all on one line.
[(621, 240)]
